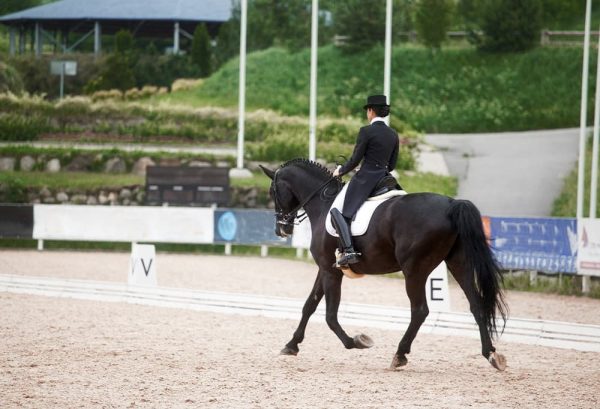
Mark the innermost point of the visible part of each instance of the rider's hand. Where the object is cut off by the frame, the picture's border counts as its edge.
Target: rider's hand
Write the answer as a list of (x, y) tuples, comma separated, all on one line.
[(336, 172)]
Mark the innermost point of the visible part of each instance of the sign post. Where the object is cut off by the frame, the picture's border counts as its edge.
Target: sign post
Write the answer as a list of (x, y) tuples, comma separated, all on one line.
[(142, 265), (63, 68), (438, 294)]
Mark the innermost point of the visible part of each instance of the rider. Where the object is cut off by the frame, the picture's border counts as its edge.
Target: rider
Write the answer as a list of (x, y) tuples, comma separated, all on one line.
[(377, 146)]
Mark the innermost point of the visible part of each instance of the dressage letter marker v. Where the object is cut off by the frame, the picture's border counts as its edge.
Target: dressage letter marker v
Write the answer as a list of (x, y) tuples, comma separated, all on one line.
[(142, 266)]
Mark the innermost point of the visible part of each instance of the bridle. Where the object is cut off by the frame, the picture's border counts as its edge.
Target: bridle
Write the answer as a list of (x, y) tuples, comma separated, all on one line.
[(289, 218)]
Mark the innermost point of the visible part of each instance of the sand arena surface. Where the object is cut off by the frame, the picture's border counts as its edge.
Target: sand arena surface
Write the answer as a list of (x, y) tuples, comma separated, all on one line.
[(69, 353)]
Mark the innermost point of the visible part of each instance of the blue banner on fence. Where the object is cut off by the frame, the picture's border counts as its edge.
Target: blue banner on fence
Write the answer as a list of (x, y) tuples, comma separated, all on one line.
[(548, 245), (247, 226)]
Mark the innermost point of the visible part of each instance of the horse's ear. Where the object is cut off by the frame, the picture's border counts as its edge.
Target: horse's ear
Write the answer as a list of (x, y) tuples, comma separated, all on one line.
[(268, 172)]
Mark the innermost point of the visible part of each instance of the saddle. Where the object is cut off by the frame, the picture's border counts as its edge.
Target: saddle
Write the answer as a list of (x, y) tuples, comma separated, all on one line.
[(363, 216), (386, 184)]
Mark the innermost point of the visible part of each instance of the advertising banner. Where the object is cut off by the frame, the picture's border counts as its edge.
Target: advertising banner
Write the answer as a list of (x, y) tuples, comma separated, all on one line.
[(548, 245), (123, 223), (246, 226), (588, 262)]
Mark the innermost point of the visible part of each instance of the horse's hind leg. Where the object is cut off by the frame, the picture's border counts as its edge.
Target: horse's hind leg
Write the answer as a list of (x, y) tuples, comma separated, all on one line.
[(457, 266), (291, 348), (415, 288)]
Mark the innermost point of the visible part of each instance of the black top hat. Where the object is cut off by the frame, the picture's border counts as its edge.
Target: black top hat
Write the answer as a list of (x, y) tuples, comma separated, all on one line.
[(376, 100)]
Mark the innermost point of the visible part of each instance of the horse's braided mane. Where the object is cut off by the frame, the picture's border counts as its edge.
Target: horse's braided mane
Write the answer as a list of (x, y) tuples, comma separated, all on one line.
[(308, 164)]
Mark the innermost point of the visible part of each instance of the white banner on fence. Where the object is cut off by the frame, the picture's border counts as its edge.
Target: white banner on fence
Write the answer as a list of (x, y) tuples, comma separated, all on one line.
[(302, 235), (588, 252), (123, 223), (142, 265), (437, 291)]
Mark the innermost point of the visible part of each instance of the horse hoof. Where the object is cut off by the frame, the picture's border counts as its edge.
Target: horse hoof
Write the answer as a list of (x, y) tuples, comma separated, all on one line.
[(288, 351), (363, 341), (398, 362), (498, 361)]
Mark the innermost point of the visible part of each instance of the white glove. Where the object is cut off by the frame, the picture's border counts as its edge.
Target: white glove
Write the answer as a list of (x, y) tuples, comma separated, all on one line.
[(336, 172)]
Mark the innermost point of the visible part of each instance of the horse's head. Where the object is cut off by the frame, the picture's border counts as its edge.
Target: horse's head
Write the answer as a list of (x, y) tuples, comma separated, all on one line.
[(286, 203)]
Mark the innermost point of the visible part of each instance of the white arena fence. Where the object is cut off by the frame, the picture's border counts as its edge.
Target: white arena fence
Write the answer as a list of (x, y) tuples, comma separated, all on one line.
[(550, 245)]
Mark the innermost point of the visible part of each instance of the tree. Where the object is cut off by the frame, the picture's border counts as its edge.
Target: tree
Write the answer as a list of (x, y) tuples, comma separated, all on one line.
[(361, 21), (12, 6), (123, 42), (511, 25), (228, 42), (202, 50), (433, 18)]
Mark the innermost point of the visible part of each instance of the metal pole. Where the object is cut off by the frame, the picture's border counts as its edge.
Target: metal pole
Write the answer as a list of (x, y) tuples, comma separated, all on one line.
[(594, 182), (242, 92), (176, 38), (22, 40), (11, 41), (97, 39), (62, 79), (37, 40), (314, 47), (387, 71), (583, 118)]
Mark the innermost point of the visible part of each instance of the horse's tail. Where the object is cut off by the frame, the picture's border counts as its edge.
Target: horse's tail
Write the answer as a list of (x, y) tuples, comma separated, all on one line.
[(466, 221)]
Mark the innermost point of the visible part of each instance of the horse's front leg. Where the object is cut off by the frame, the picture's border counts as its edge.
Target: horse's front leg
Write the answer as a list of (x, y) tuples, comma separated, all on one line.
[(332, 285), (291, 348)]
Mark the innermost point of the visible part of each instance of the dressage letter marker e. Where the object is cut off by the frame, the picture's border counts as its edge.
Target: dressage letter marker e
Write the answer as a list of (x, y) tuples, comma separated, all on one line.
[(142, 266), (438, 295)]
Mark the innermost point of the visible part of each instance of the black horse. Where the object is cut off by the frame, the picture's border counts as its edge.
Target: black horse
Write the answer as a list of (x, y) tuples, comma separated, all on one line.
[(412, 233)]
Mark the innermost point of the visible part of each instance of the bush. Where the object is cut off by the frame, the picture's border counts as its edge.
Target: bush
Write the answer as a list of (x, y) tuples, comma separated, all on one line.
[(35, 73), (10, 80), (14, 127), (13, 190)]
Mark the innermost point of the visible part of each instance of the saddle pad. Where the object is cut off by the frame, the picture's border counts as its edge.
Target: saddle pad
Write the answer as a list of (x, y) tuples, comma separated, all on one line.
[(363, 216)]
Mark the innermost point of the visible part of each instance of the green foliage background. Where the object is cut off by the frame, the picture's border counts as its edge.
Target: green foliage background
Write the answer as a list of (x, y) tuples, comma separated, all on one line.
[(455, 90)]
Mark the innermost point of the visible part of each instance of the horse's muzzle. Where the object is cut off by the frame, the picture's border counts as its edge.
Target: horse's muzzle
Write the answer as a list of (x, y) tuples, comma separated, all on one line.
[(284, 230)]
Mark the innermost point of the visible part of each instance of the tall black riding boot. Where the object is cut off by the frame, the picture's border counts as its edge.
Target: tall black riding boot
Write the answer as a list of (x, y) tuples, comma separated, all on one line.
[(342, 226)]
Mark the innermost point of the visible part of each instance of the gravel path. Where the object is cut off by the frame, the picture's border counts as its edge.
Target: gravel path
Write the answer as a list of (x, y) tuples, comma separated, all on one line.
[(70, 353)]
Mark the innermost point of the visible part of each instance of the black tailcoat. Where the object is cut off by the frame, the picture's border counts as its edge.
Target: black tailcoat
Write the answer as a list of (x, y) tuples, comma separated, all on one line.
[(377, 146)]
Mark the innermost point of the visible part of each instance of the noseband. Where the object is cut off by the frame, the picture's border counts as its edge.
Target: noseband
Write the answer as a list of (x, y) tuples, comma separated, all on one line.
[(288, 219)]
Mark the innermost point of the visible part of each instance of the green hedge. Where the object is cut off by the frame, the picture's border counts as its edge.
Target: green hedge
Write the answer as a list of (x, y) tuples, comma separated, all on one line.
[(269, 137)]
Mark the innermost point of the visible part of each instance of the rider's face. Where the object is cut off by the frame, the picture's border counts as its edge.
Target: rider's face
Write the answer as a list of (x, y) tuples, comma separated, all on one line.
[(370, 114)]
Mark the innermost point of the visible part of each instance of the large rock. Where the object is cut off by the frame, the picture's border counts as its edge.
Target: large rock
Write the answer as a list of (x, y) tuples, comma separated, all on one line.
[(53, 166), (169, 162), (102, 198), (79, 199), (80, 163), (45, 192), (125, 194), (62, 197), (199, 164), (7, 164), (115, 165), (139, 168), (91, 200), (27, 163), (113, 198)]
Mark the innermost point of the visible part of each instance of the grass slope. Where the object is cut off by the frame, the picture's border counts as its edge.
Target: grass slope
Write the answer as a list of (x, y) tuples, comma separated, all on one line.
[(455, 90)]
